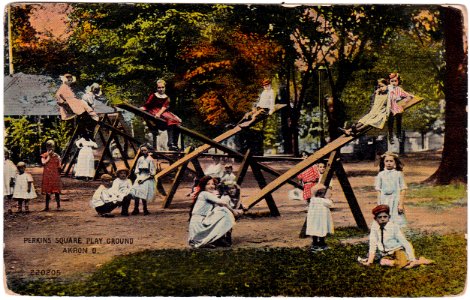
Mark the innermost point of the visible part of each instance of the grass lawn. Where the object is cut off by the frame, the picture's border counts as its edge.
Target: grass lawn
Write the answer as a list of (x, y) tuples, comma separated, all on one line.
[(269, 272), (438, 197)]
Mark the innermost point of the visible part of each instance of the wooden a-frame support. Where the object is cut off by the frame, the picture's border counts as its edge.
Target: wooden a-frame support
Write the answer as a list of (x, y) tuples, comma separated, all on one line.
[(179, 177), (248, 161), (215, 143), (107, 131), (333, 146), (334, 165)]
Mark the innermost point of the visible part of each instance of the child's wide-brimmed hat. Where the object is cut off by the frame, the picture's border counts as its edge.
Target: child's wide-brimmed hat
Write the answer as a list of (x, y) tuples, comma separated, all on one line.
[(65, 77), (94, 87), (50, 143), (21, 164), (106, 177), (123, 170), (380, 209)]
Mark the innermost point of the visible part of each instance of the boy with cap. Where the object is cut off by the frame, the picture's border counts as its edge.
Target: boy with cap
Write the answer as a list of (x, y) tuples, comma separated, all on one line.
[(386, 237)]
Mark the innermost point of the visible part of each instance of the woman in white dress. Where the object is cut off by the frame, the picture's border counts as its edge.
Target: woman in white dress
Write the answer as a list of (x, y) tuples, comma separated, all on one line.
[(9, 172), (85, 167), (211, 217)]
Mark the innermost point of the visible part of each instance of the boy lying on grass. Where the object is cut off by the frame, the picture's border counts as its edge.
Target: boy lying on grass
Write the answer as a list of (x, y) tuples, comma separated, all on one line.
[(394, 250)]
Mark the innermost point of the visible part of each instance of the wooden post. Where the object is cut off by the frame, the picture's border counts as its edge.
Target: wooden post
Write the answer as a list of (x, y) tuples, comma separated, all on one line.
[(243, 167), (350, 197), (176, 182), (66, 153), (262, 183), (105, 151)]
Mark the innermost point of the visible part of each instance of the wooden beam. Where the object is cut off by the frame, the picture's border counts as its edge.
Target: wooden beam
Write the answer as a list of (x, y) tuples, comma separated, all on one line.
[(300, 167), (350, 197), (66, 153), (243, 168), (262, 183), (332, 146), (208, 142), (175, 184)]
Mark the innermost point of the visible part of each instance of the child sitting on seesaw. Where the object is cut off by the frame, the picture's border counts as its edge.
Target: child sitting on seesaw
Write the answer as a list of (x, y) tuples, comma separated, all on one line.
[(264, 106)]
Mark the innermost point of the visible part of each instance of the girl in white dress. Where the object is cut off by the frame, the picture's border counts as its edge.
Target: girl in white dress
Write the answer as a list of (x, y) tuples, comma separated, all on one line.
[(319, 220), (85, 166), (211, 217), (391, 187), (24, 188), (144, 185), (9, 173)]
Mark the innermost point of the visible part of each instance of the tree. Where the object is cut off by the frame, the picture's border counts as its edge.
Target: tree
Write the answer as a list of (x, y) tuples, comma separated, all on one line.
[(36, 52), (226, 72), (453, 167)]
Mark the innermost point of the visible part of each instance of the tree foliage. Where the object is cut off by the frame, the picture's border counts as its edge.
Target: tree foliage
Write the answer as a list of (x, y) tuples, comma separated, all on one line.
[(213, 57), (35, 52), (25, 136)]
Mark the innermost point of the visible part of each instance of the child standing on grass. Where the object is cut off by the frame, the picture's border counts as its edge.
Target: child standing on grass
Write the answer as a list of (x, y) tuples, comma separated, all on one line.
[(390, 185), (51, 183), (319, 220), (144, 185), (23, 188), (9, 173)]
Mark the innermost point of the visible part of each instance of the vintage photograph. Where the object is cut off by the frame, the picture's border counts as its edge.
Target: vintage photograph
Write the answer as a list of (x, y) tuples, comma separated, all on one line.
[(234, 150)]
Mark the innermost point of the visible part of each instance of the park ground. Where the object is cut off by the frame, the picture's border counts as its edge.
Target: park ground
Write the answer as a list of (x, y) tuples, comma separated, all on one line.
[(39, 244)]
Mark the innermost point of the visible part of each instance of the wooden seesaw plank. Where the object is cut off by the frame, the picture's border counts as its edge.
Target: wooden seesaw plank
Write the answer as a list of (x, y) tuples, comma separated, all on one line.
[(315, 157), (199, 150), (204, 139)]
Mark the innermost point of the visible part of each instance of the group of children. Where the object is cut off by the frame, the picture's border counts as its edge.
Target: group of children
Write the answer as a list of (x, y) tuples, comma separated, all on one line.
[(19, 185), (120, 193), (387, 243), (385, 106)]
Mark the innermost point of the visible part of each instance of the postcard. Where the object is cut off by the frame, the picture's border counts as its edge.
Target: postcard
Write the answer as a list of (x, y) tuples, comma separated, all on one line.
[(234, 149)]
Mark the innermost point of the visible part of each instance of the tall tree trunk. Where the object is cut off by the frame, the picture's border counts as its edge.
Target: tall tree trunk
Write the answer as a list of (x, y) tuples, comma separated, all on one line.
[(285, 114), (453, 166), (334, 109)]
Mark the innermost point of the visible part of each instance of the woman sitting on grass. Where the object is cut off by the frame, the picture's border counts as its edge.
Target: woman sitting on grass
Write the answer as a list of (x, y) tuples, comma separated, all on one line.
[(211, 217), (394, 250)]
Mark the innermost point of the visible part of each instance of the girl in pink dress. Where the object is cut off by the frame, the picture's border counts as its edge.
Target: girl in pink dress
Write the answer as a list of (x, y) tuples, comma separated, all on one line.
[(51, 183), (158, 104), (395, 95)]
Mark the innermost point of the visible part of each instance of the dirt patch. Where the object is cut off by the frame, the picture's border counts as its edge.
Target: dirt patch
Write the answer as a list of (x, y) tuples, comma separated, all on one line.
[(75, 240)]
